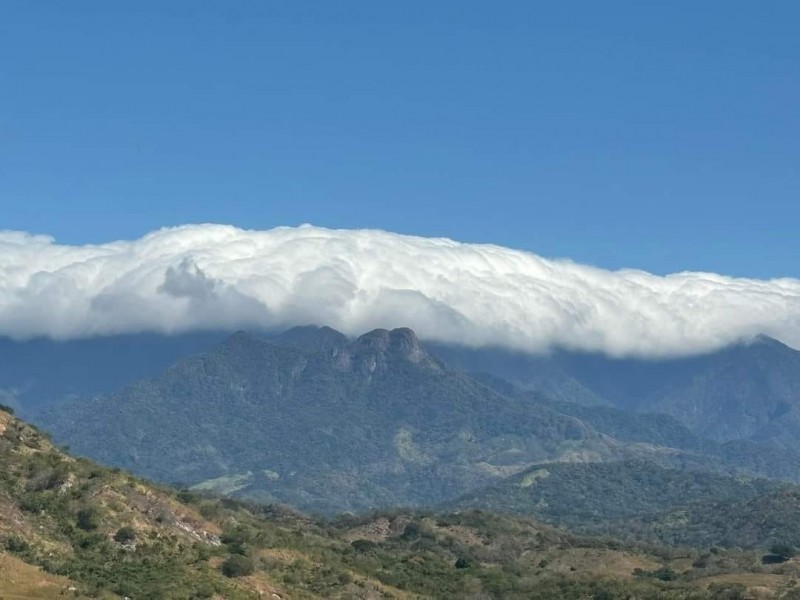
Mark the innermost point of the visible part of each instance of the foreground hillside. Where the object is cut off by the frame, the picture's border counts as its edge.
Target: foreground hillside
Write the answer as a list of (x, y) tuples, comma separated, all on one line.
[(71, 527)]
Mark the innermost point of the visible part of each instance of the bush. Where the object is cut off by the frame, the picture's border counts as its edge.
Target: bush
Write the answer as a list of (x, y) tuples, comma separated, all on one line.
[(125, 535), (87, 519), (7, 409), (238, 566), (16, 544), (363, 545)]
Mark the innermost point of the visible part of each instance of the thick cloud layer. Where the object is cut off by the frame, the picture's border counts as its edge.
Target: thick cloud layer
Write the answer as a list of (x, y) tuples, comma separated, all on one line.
[(213, 276)]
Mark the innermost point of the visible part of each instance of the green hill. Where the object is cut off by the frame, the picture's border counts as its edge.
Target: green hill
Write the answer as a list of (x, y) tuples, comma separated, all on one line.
[(590, 495)]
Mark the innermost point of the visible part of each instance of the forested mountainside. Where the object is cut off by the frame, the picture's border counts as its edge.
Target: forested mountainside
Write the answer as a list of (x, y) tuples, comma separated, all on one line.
[(747, 391), (374, 422), (325, 423), (589, 495), (69, 526)]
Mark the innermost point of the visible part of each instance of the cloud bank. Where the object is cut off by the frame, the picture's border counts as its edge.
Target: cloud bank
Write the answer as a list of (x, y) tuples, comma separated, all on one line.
[(215, 276)]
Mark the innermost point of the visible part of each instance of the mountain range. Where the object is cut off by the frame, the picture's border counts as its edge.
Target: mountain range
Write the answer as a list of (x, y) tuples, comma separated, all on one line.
[(327, 423)]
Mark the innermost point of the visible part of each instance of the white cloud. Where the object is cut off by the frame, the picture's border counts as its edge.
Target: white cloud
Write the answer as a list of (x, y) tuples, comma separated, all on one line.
[(213, 276)]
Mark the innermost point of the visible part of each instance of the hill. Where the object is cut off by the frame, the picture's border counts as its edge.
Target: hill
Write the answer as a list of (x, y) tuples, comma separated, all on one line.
[(72, 527), (749, 522), (592, 494)]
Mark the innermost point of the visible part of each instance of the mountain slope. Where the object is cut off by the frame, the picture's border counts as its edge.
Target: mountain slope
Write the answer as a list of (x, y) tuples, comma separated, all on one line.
[(373, 422), (747, 391)]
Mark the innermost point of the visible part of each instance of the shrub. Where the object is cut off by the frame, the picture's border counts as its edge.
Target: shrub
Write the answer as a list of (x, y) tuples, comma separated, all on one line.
[(16, 544), (125, 535), (238, 566), (363, 545), (87, 519)]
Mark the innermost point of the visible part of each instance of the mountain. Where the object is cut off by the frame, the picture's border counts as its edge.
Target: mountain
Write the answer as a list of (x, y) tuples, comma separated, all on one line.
[(746, 391), (69, 527), (329, 425), (660, 433), (325, 423), (530, 372)]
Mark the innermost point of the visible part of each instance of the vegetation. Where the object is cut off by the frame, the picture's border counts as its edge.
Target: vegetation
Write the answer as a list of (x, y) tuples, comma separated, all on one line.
[(592, 494), (374, 422), (103, 532)]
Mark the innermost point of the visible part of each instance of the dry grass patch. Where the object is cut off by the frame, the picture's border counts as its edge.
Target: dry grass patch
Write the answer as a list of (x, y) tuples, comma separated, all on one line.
[(19, 581)]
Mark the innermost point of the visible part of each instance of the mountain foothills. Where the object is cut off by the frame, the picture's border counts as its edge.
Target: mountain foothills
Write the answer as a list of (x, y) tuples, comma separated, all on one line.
[(71, 528)]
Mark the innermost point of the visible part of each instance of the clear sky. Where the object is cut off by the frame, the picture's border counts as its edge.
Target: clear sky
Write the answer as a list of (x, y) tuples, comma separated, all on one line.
[(657, 135)]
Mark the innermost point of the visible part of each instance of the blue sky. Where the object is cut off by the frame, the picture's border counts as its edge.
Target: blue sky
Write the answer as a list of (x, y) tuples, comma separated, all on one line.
[(663, 136)]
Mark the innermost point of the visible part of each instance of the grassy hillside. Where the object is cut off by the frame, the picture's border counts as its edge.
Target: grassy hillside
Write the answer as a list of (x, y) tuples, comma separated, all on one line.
[(70, 526)]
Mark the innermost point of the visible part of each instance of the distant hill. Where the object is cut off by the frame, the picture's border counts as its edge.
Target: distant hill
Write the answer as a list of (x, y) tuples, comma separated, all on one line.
[(589, 494), (746, 391), (755, 458)]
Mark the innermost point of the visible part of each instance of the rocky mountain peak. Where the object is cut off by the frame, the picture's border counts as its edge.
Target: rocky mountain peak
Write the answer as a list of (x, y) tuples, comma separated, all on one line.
[(377, 349)]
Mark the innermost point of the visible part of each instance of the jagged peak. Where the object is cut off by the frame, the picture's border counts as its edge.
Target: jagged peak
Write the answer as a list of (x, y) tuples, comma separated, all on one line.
[(312, 338), (401, 341), (376, 349)]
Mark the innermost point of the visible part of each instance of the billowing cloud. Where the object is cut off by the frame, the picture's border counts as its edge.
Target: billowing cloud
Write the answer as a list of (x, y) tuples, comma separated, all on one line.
[(214, 276)]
